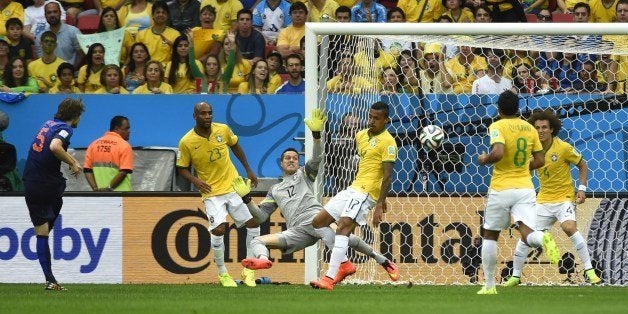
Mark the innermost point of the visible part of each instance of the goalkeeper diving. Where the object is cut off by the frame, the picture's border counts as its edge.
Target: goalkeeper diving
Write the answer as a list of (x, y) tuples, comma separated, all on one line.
[(298, 205)]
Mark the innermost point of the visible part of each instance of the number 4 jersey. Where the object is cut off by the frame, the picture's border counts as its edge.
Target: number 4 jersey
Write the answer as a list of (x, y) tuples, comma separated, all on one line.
[(41, 164), (520, 140)]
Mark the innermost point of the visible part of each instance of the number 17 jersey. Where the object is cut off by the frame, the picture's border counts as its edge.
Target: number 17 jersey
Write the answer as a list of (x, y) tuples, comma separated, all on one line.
[(520, 140)]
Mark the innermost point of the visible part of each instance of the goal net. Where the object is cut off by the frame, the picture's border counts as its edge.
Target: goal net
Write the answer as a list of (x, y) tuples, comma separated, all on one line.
[(427, 75)]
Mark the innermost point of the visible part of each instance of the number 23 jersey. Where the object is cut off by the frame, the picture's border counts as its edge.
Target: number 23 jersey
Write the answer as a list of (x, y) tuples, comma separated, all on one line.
[(210, 157)]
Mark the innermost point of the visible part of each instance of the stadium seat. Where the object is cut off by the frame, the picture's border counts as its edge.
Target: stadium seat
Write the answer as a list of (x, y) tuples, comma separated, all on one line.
[(531, 18), (88, 24), (70, 20), (562, 18), (269, 49)]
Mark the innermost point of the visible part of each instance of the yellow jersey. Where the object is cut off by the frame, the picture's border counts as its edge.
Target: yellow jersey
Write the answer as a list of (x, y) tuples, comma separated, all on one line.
[(39, 68), (520, 140), (373, 151), (555, 176), (465, 75), (210, 157)]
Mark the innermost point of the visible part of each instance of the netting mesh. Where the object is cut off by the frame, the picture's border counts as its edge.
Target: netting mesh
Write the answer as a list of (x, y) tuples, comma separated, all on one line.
[(432, 228)]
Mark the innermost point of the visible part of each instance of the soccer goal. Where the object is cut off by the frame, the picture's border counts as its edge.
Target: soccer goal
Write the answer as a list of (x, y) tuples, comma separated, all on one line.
[(426, 73)]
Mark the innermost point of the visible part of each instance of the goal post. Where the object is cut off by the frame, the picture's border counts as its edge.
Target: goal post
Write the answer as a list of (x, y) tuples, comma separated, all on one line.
[(437, 199)]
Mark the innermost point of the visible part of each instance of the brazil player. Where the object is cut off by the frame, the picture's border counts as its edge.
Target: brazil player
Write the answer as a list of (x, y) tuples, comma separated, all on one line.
[(43, 182), (511, 191), (377, 151), (556, 194), (298, 205), (206, 147)]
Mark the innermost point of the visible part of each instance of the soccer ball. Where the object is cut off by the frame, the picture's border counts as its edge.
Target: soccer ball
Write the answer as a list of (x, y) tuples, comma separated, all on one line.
[(431, 136)]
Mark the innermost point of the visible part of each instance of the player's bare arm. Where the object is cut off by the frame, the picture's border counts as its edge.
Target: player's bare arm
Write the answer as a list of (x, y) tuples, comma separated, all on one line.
[(495, 155), (56, 147), (583, 170), (538, 160), (239, 153), (380, 207), (200, 184)]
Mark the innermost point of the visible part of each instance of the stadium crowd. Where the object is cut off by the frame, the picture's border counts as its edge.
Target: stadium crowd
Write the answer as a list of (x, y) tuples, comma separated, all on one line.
[(220, 46)]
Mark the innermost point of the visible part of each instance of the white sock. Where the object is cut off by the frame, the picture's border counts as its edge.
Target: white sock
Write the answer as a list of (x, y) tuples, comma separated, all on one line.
[(259, 248), (359, 245), (519, 258), (251, 233), (338, 254), (329, 237), (583, 251), (218, 245), (489, 260), (535, 239)]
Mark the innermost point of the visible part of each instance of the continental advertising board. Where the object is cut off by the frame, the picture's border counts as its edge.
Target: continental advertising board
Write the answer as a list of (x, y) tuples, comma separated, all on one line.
[(165, 240)]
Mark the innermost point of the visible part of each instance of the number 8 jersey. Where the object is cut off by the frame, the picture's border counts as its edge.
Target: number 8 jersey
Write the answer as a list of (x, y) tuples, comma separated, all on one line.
[(520, 140)]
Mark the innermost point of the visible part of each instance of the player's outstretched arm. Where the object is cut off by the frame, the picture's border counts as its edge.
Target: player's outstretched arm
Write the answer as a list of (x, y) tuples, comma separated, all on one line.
[(243, 188), (495, 155), (538, 160), (315, 123)]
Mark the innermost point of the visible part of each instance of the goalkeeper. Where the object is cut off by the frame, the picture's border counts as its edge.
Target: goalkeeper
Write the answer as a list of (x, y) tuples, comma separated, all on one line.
[(298, 205)]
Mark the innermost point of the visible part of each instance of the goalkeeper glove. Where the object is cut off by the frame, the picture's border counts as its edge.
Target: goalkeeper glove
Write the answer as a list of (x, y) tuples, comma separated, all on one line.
[(243, 188), (316, 122)]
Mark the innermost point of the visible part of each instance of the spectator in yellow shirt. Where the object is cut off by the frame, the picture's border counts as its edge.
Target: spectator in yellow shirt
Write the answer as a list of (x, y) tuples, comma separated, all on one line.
[(289, 38), (9, 9), (88, 79), (178, 70), (112, 81), (226, 12), (155, 84), (159, 38), (466, 67), (65, 74), (259, 81)]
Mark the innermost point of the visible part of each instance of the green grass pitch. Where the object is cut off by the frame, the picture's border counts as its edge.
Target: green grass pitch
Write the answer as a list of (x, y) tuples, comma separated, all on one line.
[(299, 299)]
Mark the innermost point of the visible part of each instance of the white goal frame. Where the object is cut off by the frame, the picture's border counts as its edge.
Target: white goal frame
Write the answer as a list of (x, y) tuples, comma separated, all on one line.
[(312, 91)]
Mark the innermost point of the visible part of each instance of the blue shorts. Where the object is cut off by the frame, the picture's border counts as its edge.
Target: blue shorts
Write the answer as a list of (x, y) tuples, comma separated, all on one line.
[(44, 201)]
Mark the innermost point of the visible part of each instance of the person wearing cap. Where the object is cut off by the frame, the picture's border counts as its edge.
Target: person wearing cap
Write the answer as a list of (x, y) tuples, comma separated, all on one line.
[(250, 41), (465, 67), (275, 66), (436, 78), (295, 82)]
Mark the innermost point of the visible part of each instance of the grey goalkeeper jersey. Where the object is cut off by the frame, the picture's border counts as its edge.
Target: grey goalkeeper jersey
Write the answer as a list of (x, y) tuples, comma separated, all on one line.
[(294, 197)]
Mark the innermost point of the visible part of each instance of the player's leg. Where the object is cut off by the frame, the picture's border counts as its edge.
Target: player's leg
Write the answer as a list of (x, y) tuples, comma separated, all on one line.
[(217, 214), (567, 218), (350, 207), (259, 247), (524, 213), (40, 202), (545, 219), (242, 216), (496, 218), (361, 246)]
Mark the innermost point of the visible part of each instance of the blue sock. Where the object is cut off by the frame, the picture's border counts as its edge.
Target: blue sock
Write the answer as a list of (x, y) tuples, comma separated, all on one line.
[(43, 255)]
